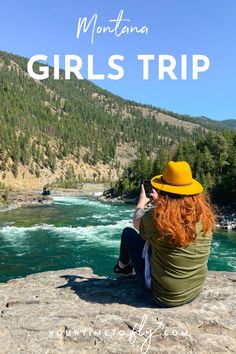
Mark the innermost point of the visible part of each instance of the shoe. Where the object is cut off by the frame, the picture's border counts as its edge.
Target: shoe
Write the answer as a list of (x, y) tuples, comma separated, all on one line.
[(127, 271)]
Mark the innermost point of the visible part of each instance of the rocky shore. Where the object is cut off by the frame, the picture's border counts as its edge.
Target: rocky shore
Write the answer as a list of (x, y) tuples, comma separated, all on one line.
[(18, 199), (14, 199), (94, 189), (74, 311), (226, 216)]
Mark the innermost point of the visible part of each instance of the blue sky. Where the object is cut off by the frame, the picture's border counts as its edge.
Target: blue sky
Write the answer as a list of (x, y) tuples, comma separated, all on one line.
[(175, 27)]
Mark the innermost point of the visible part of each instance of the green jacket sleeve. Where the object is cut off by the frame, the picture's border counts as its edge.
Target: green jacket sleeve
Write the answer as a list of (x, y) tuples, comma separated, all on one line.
[(147, 227)]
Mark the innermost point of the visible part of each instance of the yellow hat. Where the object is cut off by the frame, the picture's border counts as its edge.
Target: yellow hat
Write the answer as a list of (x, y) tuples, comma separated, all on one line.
[(177, 178)]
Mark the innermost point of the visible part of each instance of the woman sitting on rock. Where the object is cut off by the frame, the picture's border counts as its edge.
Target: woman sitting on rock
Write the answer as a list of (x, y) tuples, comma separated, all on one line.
[(175, 235)]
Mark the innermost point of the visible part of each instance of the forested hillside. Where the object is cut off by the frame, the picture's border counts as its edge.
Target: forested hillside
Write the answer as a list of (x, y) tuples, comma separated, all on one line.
[(212, 159), (71, 129)]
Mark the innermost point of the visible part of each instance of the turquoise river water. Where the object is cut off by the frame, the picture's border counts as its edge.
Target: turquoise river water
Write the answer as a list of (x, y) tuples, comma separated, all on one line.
[(77, 232)]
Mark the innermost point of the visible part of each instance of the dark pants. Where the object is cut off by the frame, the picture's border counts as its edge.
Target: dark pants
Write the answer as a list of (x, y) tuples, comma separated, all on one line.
[(131, 248)]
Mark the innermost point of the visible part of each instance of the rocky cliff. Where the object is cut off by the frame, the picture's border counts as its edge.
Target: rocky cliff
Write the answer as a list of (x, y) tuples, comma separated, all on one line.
[(75, 311)]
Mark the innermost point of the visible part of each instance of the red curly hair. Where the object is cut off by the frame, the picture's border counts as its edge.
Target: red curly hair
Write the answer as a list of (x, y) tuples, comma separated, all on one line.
[(176, 216)]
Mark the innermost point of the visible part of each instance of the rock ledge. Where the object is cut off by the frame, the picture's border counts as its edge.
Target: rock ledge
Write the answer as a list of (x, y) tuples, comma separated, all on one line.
[(75, 311)]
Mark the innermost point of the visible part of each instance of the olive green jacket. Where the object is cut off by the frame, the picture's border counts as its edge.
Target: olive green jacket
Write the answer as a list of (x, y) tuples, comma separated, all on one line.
[(177, 272)]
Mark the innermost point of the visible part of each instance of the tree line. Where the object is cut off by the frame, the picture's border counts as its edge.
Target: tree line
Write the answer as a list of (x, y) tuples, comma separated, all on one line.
[(212, 160)]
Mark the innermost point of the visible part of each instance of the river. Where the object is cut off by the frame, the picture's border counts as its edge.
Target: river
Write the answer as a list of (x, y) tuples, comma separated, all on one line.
[(78, 232)]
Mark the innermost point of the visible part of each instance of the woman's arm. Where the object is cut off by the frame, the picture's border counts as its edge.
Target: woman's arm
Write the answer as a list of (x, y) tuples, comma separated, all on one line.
[(143, 200)]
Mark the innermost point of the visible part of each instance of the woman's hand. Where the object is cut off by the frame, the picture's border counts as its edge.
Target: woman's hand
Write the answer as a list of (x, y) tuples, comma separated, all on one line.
[(154, 196), (143, 199)]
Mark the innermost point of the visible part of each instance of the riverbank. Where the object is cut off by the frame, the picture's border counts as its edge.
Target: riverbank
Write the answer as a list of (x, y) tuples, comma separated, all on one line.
[(17, 198), (226, 215), (74, 310), (95, 189), (226, 219)]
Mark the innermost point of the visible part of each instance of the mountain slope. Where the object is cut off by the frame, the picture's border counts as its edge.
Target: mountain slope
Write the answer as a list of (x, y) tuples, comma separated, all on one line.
[(229, 123), (74, 129)]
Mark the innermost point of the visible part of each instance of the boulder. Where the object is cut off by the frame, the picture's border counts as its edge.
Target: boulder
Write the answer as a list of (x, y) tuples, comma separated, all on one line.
[(76, 311)]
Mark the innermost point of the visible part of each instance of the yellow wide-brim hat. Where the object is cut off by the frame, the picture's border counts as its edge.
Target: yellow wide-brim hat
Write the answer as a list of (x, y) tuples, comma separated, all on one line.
[(177, 178)]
